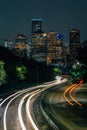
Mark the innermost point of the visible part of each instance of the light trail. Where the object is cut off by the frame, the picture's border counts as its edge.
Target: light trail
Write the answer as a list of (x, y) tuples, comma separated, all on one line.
[(28, 111), (4, 119), (65, 92), (8, 98), (20, 110), (20, 115), (40, 86), (17, 94), (71, 91), (48, 85)]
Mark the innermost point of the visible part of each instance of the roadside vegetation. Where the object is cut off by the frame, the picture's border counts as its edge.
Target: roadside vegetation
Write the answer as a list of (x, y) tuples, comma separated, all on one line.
[(2, 73), (79, 72), (15, 70)]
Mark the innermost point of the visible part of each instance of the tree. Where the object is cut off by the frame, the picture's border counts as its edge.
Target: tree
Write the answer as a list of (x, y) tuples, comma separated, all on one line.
[(2, 73), (79, 72), (56, 71), (21, 71)]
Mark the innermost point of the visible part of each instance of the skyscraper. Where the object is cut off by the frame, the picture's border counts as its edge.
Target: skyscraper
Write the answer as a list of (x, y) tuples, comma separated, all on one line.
[(21, 45), (55, 48), (74, 43), (38, 41), (36, 25), (51, 44), (39, 47)]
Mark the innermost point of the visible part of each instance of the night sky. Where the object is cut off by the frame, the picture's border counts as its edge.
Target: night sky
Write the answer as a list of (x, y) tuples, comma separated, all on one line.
[(57, 15)]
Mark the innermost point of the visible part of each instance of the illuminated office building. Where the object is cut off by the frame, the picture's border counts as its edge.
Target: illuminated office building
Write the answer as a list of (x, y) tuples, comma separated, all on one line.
[(48, 46), (38, 41), (39, 47), (51, 46), (8, 43), (21, 42), (74, 43), (36, 26), (55, 48), (21, 45)]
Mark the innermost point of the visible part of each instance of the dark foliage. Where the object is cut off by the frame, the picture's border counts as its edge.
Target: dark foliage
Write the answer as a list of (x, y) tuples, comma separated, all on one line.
[(36, 72)]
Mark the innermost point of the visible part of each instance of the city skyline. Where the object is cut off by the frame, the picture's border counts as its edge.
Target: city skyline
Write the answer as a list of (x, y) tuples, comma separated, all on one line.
[(60, 16)]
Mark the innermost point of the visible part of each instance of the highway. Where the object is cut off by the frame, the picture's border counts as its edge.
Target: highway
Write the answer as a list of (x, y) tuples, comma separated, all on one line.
[(16, 110), (65, 107), (55, 105)]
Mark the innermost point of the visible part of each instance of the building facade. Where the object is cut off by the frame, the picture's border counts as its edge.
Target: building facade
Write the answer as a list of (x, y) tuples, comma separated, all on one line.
[(8, 43), (39, 47), (74, 43), (55, 48), (21, 45), (36, 25), (38, 41), (47, 47)]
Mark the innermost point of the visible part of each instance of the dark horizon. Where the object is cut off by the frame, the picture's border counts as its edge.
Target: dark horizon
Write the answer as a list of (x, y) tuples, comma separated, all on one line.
[(60, 16)]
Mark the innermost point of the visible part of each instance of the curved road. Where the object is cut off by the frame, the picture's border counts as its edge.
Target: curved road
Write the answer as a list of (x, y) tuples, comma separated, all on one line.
[(65, 110), (16, 111), (11, 113), (52, 106)]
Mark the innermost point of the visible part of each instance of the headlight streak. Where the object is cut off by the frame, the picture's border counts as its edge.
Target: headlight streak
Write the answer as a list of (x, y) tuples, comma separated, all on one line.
[(20, 115), (40, 86), (8, 98), (20, 109), (4, 119), (17, 94), (28, 111), (28, 102)]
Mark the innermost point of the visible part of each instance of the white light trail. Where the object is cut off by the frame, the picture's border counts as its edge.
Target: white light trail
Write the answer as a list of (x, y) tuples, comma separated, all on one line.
[(20, 110), (8, 98), (4, 119), (17, 94), (11, 96), (20, 115), (28, 111)]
